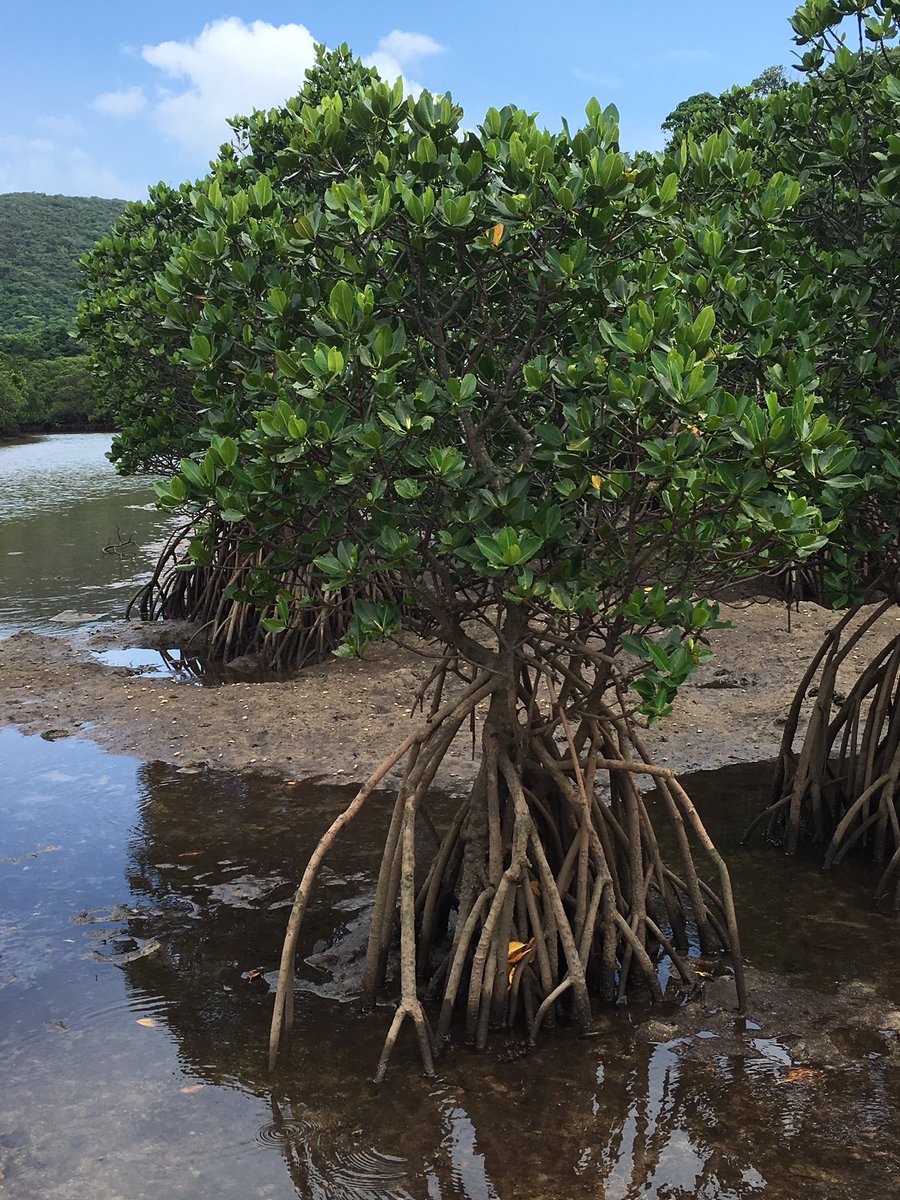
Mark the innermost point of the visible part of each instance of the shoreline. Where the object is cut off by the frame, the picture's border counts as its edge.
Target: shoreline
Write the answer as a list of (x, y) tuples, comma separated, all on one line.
[(339, 720)]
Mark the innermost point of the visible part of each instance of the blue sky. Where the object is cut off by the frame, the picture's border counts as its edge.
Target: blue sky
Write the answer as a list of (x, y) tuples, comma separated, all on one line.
[(108, 98)]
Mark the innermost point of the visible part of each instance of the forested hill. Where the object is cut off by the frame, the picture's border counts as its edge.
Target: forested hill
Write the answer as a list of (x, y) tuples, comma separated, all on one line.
[(45, 379), (41, 239)]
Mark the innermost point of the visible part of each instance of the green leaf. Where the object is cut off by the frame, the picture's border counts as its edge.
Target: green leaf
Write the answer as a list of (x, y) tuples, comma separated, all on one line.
[(342, 302), (192, 473), (668, 188), (703, 326)]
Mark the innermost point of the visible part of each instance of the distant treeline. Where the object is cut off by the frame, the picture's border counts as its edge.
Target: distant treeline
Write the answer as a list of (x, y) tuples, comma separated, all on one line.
[(45, 380)]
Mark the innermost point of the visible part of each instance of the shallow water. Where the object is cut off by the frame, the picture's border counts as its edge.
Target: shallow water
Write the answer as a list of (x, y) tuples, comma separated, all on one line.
[(74, 535), (183, 665), (140, 893)]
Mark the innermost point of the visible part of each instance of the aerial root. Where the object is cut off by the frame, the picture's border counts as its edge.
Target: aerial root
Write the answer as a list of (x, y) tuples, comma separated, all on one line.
[(207, 594), (543, 891), (842, 787)]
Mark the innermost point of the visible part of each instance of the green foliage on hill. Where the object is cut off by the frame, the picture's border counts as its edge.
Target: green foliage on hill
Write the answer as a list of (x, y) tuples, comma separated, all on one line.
[(41, 240), (45, 380)]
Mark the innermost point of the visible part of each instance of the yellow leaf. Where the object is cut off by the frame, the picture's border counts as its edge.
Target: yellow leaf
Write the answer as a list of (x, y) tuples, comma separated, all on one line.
[(519, 952), (147, 1022), (629, 175), (496, 234), (597, 482), (192, 1088), (802, 1075)]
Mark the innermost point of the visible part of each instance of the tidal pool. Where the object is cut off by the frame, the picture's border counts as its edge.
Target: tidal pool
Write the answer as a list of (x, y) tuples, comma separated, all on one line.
[(142, 908)]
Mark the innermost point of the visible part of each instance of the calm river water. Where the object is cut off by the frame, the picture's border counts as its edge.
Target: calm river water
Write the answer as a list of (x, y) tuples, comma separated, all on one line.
[(142, 908), (135, 899), (74, 535)]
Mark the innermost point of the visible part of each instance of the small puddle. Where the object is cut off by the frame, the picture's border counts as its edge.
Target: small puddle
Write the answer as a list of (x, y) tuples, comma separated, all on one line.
[(180, 665), (140, 925), (153, 664)]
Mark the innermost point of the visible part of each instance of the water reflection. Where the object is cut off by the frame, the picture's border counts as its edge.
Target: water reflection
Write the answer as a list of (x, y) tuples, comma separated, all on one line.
[(182, 665), (164, 903)]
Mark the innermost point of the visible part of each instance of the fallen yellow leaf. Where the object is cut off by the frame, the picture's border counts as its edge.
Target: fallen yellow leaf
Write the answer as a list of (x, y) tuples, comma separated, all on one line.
[(194, 1087), (802, 1075), (147, 1022)]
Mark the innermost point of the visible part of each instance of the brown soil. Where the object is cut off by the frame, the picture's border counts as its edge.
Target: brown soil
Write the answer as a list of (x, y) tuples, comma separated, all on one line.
[(342, 718)]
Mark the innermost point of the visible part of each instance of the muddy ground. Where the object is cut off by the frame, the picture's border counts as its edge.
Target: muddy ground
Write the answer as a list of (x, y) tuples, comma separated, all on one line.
[(342, 718), (336, 722)]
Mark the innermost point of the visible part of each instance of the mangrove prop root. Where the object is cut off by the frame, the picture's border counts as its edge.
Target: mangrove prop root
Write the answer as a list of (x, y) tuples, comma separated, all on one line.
[(549, 886), (841, 788), (203, 593)]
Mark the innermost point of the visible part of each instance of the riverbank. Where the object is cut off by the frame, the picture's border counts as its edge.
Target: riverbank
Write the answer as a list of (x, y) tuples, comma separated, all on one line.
[(339, 720), (44, 428)]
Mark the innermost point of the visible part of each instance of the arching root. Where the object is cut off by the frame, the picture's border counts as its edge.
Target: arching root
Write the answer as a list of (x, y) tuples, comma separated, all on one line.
[(843, 786), (214, 596), (544, 891)]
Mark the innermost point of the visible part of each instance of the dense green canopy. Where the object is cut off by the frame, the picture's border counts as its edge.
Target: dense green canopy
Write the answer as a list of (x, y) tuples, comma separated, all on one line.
[(500, 364), (836, 262)]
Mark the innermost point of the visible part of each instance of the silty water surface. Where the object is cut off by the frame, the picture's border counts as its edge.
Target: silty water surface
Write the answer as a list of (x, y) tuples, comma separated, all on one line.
[(74, 535), (139, 903)]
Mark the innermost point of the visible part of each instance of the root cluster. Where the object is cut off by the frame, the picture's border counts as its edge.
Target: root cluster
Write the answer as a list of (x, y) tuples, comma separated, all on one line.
[(214, 597), (842, 788), (549, 887)]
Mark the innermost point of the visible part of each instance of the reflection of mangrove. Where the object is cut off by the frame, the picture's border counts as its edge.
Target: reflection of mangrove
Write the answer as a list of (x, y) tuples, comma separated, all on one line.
[(613, 1116)]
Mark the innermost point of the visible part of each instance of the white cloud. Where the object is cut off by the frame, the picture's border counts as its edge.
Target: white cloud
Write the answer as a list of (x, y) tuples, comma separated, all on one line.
[(399, 50), (230, 68), (59, 127), (120, 104), (42, 165), (407, 47)]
